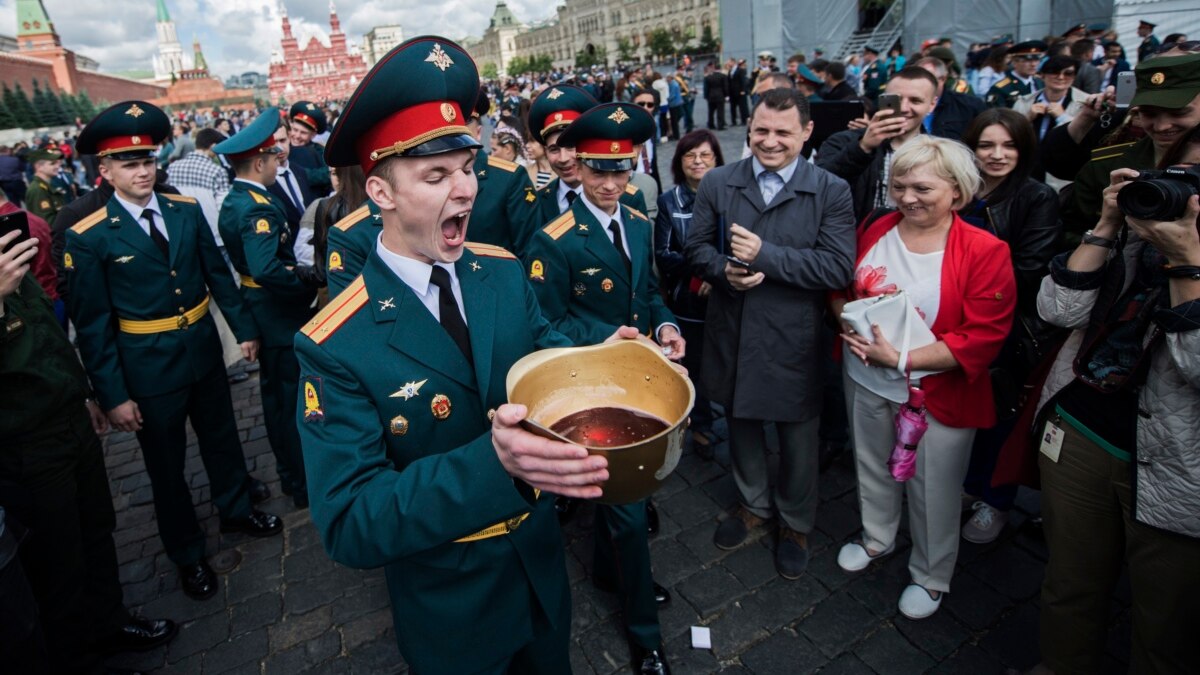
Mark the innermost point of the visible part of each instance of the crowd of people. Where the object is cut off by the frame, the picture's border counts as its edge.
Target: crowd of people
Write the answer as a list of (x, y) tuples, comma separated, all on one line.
[(1009, 252)]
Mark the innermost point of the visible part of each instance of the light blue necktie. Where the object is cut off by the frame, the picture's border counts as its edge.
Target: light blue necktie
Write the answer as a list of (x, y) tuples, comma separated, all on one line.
[(769, 184)]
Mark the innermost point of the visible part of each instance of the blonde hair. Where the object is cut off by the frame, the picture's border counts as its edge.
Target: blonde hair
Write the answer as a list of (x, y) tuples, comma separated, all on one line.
[(950, 160)]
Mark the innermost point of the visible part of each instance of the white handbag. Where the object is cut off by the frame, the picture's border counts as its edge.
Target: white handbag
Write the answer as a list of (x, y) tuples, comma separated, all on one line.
[(899, 322)]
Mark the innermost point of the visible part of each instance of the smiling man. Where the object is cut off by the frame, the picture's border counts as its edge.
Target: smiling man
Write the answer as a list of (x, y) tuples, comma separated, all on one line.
[(417, 464), (790, 227), (141, 271)]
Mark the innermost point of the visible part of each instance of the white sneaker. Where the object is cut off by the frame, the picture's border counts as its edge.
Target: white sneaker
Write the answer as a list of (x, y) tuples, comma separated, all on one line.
[(985, 526), (854, 556), (916, 602)]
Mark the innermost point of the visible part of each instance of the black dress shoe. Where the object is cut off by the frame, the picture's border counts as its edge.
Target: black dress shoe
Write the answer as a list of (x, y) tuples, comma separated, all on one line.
[(199, 581), (259, 492), (651, 517), (139, 635), (661, 595), (257, 524), (649, 661), (565, 507)]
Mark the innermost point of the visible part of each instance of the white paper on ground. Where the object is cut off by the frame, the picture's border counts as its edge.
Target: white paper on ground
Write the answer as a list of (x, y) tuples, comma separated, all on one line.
[(701, 638)]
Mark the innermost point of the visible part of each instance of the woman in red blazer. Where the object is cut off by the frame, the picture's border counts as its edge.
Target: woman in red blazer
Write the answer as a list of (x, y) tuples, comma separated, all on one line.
[(960, 278)]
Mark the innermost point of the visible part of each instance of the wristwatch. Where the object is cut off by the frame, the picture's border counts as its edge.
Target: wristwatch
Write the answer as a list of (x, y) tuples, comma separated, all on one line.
[(1089, 238)]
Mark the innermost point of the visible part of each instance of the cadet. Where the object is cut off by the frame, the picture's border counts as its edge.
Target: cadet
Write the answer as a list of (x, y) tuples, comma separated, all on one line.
[(140, 272), (44, 198), (1021, 78), (592, 270), (551, 112), (278, 292), (305, 156), (417, 465)]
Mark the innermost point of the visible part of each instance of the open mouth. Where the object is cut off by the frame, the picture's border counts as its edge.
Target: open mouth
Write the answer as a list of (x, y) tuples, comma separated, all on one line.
[(454, 229)]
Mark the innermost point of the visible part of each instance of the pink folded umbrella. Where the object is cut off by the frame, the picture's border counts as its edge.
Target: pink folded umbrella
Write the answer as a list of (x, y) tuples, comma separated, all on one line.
[(910, 427)]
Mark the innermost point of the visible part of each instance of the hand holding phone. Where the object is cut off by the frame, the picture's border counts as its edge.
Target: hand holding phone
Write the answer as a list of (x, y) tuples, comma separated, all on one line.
[(17, 221)]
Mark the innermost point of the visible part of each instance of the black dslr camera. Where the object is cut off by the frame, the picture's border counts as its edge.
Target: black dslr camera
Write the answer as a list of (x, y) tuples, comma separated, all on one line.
[(1160, 195)]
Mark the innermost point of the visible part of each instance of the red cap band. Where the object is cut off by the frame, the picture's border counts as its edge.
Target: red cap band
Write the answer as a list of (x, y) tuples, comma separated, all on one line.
[(124, 144), (306, 120), (559, 119), (602, 148), (409, 128), (257, 150)]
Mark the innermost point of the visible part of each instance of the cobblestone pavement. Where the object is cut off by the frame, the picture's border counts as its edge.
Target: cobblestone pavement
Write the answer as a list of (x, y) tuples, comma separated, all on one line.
[(286, 608)]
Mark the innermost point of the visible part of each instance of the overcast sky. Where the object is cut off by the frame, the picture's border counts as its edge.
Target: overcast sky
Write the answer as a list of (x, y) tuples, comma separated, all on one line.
[(238, 35)]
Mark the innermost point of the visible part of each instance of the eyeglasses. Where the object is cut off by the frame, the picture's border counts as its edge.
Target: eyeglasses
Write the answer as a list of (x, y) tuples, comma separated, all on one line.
[(1028, 57), (1063, 74), (648, 105), (705, 156)]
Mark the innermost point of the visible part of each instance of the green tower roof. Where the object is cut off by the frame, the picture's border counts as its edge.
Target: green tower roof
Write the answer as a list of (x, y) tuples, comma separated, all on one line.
[(32, 18), (163, 15)]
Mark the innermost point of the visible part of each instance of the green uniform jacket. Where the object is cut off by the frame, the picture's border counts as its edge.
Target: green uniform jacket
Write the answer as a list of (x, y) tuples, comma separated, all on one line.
[(874, 77), (581, 281), (547, 202), (44, 200), (1005, 93), (310, 159), (350, 241), (1082, 211), (504, 213), (396, 435), (115, 271), (254, 227)]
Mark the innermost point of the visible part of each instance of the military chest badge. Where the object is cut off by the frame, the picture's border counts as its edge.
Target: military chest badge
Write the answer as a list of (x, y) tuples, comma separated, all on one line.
[(68, 262), (591, 271), (579, 288), (529, 195), (313, 412), (409, 390), (537, 271), (607, 285), (262, 226), (440, 406), (335, 262), (399, 425), (44, 205)]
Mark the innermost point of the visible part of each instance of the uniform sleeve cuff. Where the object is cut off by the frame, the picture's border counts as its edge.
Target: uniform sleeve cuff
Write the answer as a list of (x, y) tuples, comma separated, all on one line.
[(1179, 319), (1077, 281)]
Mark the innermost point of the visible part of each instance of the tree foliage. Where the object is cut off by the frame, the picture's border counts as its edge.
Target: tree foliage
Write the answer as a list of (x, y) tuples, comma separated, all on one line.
[(585, 59), (708, 43), (660, 44), (625, 49), (489, 71)]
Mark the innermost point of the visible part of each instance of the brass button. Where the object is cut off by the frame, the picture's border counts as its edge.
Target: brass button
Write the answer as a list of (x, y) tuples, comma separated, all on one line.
[(635, 317), (178, 292), (182, 310), (491, 414), (174, 273), (999, 296)]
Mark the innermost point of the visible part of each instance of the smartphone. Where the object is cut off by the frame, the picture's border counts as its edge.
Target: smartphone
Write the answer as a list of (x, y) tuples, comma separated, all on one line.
[(737, 261), (890, 102), (18, 221), (1126, 88)]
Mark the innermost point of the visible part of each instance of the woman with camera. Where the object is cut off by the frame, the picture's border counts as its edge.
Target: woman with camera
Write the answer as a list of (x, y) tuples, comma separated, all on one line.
[(960, 280), (1023, 212), (1119, 427)]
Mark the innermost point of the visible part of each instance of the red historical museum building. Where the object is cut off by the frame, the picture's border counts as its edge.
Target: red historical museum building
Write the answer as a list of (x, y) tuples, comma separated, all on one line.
[(314, 72)]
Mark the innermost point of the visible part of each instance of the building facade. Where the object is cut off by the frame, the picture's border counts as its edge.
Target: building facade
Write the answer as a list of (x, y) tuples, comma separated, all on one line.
[(315, 72), (498, 45), (168, 62), (599, 26), (380, 41)]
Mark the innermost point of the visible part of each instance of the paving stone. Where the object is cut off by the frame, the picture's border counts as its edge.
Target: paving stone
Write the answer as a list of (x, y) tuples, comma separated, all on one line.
[(969, 659), (579, 662), (723, 491), (839, 518), (136, 570), (733, 631), (296, 629), (179, 607), (605, 646), (378, 657), (256, 613), (143, 661), (974, 603), (301, 537), (846, 664), (699, 540), (752, 565), (304, 656), (939, 635), (837, 623), (188, 666), (690, 508), (1011, 571), (783, 602), (708, 590), (1015, 640), (198, 636), (307, 594), (672, 561), (684, 659), (886, 651), (822, 566), (697, 471), (676, 617), (366, 628), (784, 652), (243, 649), (360, 600), (253, 579), (878, 587)]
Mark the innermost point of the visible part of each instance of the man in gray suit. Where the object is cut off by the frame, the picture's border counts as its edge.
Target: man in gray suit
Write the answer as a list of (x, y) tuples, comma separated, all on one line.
[(788, 234)]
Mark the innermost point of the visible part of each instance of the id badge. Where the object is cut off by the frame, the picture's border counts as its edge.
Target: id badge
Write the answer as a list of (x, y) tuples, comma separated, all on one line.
[(1052, 441)]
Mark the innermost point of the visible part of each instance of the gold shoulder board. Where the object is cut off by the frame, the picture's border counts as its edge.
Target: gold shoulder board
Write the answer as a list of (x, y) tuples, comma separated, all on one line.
[(353, 218), (631, 189), (489, 251), (89, 221), (260, 199), (179, 198), (560, 225), (502, 164), (337, 312)]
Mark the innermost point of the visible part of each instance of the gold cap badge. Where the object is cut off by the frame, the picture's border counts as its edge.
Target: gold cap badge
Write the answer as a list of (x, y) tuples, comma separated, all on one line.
[(448, 113), (1158, 78), (134, 111), (618, 116)]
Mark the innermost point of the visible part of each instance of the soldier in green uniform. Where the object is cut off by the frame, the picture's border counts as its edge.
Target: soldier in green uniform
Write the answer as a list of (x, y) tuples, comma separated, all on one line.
[(44, 197), (1021, 78), (809, 83), (141, 271), (551, 112), (1150, 43), (308, 120), (591, 269), (278, 292), (1168, 102), (506, 205), (874, 74), (417, 465), (953, 83)]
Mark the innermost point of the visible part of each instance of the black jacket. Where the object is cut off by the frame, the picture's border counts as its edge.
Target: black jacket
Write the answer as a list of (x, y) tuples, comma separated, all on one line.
[(716, 86), (954, 114), (841, 156), (677, 280), (1029, 223)]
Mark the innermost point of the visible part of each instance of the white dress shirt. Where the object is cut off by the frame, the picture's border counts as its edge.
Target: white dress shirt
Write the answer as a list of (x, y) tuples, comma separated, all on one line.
[(416, 274), (563, 189), (136, 211)]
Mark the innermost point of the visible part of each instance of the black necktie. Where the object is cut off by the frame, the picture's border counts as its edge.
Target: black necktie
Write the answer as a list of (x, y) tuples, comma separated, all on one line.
[(287, 185), (571, 195), (615, 228), (156, 235), (452, 319)]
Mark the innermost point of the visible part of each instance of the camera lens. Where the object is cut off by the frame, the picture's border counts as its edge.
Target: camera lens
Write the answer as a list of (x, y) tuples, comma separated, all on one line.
[(1157, 199)]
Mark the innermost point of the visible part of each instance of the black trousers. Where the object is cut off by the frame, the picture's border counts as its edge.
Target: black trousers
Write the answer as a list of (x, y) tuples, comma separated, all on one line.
[(54, 483), (279, 379), (717, 107), (209, 406)]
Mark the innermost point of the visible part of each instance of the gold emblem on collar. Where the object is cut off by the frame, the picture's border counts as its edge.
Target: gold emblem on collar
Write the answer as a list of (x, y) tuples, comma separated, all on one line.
[(475, 266), (440, 406), (386, 304), (439, 58), (134, 111), (619, 116)]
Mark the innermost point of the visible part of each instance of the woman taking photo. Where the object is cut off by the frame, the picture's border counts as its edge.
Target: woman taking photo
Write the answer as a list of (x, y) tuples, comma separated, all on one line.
[(960, 281), (695, 154), (1022, 212)]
